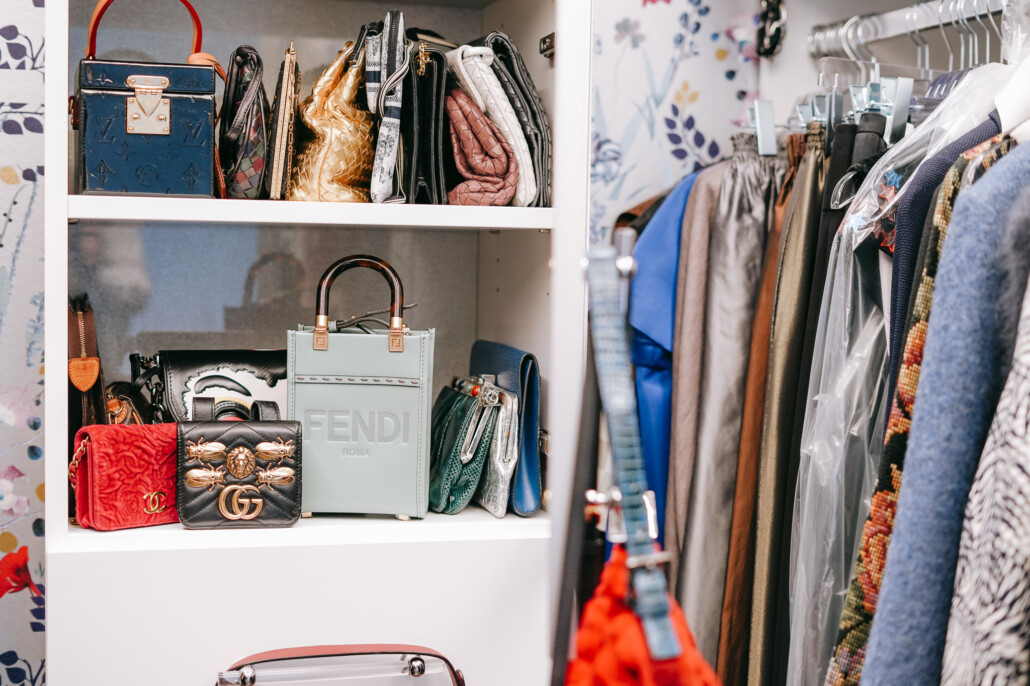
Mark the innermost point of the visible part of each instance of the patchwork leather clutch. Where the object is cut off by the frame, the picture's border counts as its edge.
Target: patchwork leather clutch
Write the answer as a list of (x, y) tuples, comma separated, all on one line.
[(143, 127), (236, 474), (124, 476), (243, 130)]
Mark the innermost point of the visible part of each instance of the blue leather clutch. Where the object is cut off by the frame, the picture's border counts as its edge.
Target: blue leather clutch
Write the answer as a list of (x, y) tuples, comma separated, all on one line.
[(518, 372)]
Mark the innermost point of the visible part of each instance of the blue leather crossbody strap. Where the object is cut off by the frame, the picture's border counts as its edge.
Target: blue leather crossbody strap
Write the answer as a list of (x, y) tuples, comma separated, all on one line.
[(612, 357)]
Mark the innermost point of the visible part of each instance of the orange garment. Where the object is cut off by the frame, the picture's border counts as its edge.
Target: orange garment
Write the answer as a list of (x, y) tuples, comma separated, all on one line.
[(611, 649)]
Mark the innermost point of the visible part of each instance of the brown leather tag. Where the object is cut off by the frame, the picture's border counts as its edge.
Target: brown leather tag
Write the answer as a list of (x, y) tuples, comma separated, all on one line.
[(84, 372)]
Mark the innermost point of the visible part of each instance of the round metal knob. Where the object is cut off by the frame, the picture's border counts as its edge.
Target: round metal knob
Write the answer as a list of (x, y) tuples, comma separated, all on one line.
[(416, 666)]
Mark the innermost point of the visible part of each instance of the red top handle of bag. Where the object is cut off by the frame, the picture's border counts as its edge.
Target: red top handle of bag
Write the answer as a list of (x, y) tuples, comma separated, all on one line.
[(102, 5), (321, 341)]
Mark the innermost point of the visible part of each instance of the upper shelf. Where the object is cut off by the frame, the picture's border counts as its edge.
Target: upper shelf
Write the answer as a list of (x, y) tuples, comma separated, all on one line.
[(116, 208)]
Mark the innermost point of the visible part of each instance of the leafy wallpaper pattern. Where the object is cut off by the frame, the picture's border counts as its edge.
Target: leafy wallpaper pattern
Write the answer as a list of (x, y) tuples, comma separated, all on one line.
[(671, 81), (22, 590)]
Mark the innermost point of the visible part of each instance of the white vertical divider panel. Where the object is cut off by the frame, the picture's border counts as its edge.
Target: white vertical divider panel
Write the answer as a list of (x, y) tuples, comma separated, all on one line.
[(571, 117), (55, 271)]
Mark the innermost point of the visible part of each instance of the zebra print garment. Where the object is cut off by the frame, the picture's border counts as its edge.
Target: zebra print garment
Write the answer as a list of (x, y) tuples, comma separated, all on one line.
[(989, 629)]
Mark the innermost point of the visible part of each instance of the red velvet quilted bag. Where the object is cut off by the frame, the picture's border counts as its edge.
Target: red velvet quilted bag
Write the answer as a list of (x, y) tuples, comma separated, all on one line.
[(124, 476)]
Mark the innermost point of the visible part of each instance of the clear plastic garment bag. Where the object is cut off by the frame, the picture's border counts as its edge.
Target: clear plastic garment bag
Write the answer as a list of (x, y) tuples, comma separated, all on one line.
[(842, 438)]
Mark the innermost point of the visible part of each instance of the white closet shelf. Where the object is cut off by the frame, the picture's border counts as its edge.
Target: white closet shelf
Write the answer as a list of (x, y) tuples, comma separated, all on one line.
[(474, 524), (116, 208)]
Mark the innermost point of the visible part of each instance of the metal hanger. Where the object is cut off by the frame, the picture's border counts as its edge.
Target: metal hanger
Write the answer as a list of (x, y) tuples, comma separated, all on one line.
[(974, 38), (987, 34), (961, 37), (859, 31), (845, 39), (944, 35)]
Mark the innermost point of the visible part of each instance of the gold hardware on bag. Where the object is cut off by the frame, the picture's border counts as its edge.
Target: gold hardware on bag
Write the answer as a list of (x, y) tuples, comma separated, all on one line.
[(275, 450), (240, 462), (422, 58), (148, 112), (397, 331), (320, 341), (237, 507), (205, 478), (276, 476), (152, 502), (76, 458), (202, 451)]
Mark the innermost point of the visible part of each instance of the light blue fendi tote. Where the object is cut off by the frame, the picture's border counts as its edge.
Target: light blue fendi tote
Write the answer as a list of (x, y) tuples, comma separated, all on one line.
[(361, 391)]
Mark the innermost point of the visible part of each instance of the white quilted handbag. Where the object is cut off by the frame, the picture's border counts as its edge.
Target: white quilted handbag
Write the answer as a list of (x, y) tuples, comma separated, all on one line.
[(471, 66)]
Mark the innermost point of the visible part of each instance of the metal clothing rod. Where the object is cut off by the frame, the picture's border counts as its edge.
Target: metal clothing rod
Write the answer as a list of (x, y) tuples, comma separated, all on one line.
[(829, 39)]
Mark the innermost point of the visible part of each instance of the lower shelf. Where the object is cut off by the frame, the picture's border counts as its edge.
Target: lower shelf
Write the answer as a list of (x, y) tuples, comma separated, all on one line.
[(174, 607), (473, 524)]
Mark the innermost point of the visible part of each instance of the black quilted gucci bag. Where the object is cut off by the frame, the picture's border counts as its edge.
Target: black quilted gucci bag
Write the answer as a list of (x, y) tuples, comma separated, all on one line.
[(236, 474)]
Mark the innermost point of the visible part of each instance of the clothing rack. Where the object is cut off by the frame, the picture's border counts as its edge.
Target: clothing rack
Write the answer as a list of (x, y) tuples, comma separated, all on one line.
[(842, 37)]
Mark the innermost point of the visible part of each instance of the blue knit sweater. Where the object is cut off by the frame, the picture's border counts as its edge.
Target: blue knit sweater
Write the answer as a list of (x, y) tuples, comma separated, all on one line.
[(913, 207), (959, 386)]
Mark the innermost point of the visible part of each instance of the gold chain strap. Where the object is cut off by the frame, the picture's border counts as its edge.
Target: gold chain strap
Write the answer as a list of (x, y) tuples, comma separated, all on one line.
[(423, 58), (76, 458)]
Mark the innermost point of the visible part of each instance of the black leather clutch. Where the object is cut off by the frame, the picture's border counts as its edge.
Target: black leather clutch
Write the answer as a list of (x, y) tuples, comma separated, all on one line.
[(424, 125), (237, 474)]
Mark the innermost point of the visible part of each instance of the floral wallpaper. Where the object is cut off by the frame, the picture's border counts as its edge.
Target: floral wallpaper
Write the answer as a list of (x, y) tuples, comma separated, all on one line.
[(671, 81), (22, 590)]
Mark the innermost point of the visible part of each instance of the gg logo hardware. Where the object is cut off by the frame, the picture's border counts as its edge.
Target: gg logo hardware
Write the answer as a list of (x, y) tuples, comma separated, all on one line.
[(239, 508), (152, 502), (240, 462)]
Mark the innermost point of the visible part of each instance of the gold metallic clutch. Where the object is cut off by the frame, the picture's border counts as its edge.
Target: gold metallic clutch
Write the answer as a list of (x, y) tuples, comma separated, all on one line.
[(335, 156)]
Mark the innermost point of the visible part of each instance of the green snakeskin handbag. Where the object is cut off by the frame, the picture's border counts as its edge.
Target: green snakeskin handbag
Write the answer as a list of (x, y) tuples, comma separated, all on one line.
[(464, 419)]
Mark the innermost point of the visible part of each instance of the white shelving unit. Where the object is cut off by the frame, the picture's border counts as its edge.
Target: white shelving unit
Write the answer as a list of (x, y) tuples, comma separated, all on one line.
[(99, 208), (172, 607)]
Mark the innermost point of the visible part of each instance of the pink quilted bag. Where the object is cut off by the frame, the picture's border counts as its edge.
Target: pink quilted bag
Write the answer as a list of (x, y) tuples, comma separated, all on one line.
[(481, 155)]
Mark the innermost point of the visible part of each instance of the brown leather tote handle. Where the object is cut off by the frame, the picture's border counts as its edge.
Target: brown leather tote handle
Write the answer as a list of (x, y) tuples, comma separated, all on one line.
[(102, 5), (321, 340)]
